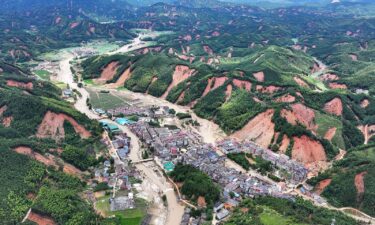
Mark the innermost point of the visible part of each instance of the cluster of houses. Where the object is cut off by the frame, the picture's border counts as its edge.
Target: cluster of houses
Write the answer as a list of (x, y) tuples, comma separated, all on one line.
[(121, 142), (167, 144), (296, 171), (172, 146), (117, 174)]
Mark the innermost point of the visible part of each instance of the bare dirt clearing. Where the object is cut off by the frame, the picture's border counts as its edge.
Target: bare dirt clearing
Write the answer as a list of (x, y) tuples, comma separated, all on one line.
[(334, 107), (330, 133), (359, 182), (307, 151), (259, 76), (108, 73), (322, 185), (260, 129), (300, 114), (242, 84), (121, 80), (365, 103), (180, 74), (40, 219), (300, 82), (286, 98), (13, 83), (52, 126)]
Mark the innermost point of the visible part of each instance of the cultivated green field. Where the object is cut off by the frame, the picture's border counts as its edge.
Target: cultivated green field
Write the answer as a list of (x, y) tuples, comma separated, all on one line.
[(106, 101), (126, 217), (42, 74)]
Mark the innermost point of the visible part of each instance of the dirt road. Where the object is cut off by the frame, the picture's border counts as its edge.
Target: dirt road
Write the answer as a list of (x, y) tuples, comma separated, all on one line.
[(65, 75)]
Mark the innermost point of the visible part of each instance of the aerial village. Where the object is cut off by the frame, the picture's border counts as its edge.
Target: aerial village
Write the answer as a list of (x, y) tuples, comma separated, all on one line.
[(166, 146)]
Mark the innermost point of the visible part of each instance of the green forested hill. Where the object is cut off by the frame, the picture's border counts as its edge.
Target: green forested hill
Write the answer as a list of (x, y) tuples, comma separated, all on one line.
[(348, 176), (27, 183)]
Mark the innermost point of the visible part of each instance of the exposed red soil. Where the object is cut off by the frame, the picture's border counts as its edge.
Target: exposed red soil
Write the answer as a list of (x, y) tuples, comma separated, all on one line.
[(58, 20), (329, 77), (299, 94), (257, 100), (46, 160), (215, 34), (242, 84), (275, 137), (13, 83), (3, 109), (74, 25), (300, 114), (92, 29), (219, 81), (228, 92), (180, 74), (337, 86), (341, 155), (359, 182), (354, 57), (307, 151), (72, 170), (40, 219), (201, 202), (260, 129), (30, 196), (334, 107), (268, 89), (187, 37), (259, 76), (7, 121), (208, 87), (108, 73), (365, 103), (214, 83), (322, 185), (181, 97), (186, 58), (286, 98), (208, 50), (284, 144), (300, 82), (315, 68), (330, 133), (123, 78), (52, 126), (368, 131)]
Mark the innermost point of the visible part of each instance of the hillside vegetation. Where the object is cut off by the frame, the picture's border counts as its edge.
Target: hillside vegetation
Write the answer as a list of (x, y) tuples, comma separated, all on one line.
[(352, 180), (41, 185)]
